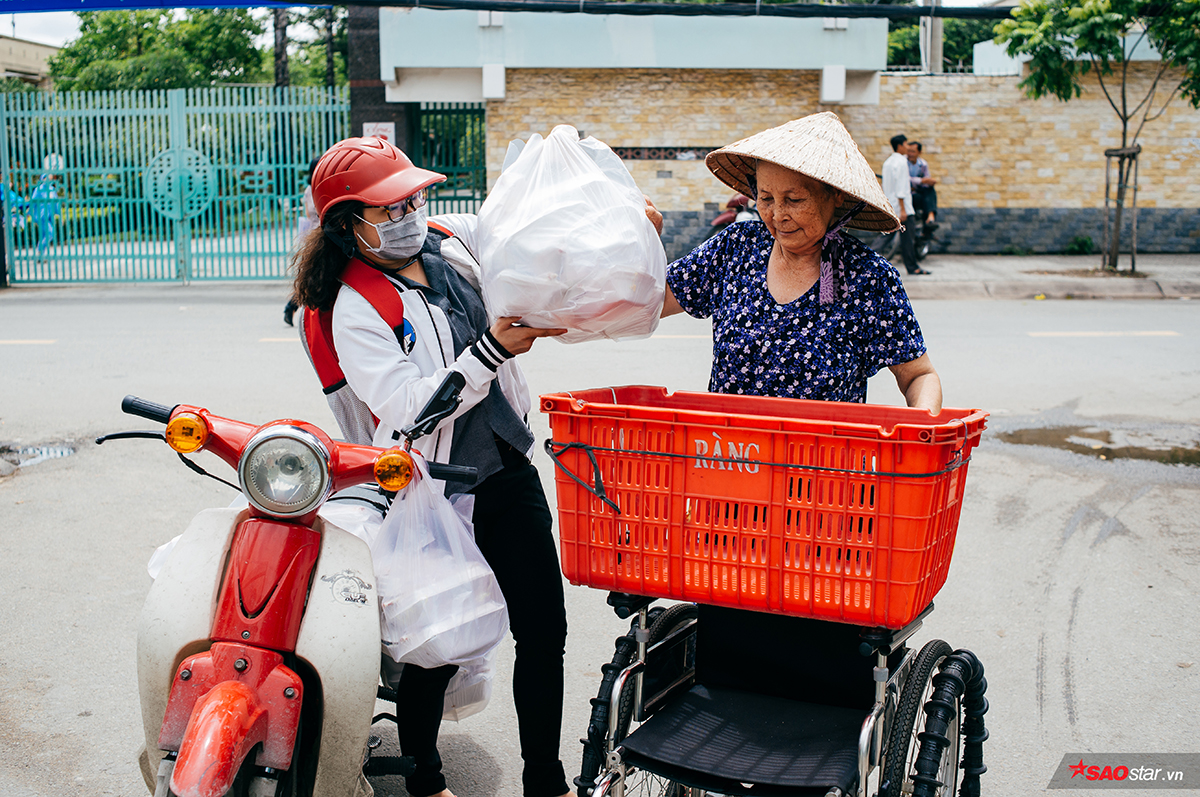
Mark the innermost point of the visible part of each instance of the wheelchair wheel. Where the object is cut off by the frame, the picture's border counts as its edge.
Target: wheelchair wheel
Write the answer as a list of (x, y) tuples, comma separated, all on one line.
[(903, 743), (595, 750)]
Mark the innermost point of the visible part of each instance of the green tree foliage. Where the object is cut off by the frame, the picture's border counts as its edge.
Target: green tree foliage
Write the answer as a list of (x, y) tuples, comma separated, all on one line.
[(959, 37), (309, 63), (159, 50), (1067, 39), (13, 85)]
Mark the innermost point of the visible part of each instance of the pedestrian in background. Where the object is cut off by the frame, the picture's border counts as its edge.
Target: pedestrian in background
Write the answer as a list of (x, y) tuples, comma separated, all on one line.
[(307, 223), (43, 207), (897, 186), (923, 192)]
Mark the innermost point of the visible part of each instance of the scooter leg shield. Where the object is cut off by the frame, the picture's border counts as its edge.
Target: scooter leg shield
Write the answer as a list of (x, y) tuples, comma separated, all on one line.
[(177, 616), (339, 638), (225, 726)]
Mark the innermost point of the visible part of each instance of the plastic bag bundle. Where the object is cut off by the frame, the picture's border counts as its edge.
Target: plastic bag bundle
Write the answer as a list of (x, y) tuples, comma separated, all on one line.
[(564, 242), (440, 602)]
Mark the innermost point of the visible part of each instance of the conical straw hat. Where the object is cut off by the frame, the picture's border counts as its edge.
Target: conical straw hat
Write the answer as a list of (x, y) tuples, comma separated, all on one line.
[(820, 147)]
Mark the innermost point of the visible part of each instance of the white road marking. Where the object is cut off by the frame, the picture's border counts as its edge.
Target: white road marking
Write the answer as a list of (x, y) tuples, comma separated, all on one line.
[(1106, 334)]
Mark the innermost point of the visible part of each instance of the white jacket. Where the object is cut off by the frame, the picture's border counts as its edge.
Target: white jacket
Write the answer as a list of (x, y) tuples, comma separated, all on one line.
[(397, 384), (896, 183)]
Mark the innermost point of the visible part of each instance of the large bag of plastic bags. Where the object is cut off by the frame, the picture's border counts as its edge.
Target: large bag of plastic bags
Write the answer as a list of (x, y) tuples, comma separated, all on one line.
[(564, 242), (440, 601)]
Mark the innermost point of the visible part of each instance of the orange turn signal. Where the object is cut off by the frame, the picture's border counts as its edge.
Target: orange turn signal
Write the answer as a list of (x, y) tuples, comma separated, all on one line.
[(394, 470), (187, 433)]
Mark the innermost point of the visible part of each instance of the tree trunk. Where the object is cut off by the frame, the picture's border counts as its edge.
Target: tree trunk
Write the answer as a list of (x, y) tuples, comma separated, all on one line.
[(329, 70), (1114, 240), (1126, 158), (281, 41)]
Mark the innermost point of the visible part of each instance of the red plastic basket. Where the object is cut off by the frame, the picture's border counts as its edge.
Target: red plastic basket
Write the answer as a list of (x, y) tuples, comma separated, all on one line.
[(838, 511)]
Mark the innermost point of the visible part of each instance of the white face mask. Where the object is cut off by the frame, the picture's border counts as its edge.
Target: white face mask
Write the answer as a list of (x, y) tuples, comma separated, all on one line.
[(398, 240)]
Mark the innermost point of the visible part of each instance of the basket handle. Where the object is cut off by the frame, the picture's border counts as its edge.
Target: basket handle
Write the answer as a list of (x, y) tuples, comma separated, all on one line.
[(598, 490)]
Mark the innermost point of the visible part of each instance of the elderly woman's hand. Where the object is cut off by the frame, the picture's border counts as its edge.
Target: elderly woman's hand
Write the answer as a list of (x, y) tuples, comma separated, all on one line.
[(920, 383), (655, 217)]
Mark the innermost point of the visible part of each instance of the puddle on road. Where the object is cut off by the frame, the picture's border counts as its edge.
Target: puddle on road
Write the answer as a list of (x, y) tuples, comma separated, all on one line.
[(25, 456), (1107, 444)]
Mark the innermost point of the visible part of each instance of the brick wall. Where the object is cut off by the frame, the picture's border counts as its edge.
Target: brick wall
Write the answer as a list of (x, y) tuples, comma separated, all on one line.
[(1010, 168)]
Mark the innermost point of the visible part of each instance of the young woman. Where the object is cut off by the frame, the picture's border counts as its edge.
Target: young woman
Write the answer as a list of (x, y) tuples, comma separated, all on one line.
[(371, 202)]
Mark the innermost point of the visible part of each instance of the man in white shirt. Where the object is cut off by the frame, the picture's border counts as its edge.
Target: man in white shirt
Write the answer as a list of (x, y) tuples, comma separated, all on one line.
[(898, 189)]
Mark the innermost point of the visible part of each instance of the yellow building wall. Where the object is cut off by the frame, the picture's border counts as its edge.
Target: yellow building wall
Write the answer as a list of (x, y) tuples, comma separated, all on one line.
[(990, 146)]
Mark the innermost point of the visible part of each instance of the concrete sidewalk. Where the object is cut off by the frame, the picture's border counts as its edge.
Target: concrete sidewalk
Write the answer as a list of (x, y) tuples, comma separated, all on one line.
[(952, 277), (1052, 277)]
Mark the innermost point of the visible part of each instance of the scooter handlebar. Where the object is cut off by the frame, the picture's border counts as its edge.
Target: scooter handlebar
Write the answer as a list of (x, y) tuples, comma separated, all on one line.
[(133, 405), (452, 473)]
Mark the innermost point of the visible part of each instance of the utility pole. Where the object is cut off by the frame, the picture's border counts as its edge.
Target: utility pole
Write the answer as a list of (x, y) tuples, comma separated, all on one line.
[(936, 62), (931, 40)]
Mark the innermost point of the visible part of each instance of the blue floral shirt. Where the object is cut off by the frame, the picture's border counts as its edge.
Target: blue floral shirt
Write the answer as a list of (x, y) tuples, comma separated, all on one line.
[(801, 349)]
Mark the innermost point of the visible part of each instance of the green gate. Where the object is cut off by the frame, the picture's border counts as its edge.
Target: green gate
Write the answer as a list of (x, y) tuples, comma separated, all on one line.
[(187, 184), (450, 138)]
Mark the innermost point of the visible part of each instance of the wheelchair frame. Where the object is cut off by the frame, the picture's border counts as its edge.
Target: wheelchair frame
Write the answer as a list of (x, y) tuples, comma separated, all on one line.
[(876, 727)]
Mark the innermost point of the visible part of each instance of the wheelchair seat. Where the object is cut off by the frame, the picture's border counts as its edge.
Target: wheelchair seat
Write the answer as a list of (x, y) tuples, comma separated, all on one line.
[(735, 742)]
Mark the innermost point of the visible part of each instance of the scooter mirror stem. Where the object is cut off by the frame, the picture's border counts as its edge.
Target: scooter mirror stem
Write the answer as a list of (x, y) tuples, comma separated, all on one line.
[(445, 401)]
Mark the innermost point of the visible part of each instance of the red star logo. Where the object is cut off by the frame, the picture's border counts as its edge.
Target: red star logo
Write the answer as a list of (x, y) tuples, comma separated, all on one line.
[(1077, 769)]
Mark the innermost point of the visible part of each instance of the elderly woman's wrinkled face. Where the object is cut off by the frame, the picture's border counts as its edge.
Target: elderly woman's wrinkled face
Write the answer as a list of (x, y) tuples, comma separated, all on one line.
[(796, 209)]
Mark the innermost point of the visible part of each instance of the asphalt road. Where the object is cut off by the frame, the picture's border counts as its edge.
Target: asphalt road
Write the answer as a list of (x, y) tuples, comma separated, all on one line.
[(1074, 578)]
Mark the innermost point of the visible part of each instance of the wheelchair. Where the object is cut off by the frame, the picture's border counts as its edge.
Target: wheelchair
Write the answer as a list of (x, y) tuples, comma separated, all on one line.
[(709, 700), (808, 540)]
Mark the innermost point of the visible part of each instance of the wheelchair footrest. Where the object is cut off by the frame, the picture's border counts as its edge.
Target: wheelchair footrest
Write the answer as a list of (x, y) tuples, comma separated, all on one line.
[(743, 743)]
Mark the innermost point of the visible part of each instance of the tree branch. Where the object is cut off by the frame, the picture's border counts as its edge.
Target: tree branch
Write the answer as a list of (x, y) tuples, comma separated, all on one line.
[(1148, 118), (1104, 88), (1149, 98)]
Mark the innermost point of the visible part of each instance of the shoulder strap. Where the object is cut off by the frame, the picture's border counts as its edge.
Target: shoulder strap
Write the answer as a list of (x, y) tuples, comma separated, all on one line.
[(318, 336), (379, 291), (433, 225), (318, 325)]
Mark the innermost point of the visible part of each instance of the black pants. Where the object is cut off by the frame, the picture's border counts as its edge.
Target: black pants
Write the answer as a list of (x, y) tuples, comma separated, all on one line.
[(908, 249), (513, 530), (924, 202)]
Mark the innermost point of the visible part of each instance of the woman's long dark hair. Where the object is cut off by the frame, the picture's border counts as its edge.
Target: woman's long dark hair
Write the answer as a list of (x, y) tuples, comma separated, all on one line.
[(321, 258)]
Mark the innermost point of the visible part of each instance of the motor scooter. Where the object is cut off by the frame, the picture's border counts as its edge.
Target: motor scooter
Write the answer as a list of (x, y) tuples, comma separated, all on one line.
[(736, 209), (258, 649)]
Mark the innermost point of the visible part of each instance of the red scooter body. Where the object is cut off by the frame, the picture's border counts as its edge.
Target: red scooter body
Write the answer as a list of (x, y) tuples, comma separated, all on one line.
[(239, 696), (263, 615)]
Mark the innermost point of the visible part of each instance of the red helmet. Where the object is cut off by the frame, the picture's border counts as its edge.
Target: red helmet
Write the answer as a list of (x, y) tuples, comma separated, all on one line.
[(369, 170)]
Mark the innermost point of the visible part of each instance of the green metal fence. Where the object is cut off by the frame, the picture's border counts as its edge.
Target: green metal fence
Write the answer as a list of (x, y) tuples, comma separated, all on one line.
[(188, 184), (450, 138)]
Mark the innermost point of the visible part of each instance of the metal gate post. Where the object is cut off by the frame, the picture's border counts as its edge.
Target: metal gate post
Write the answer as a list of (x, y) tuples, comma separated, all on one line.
[(182, 227), (6, 241)]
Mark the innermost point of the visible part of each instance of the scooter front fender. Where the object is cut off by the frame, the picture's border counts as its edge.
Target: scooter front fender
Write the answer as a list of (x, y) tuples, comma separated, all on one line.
[(226, 725)]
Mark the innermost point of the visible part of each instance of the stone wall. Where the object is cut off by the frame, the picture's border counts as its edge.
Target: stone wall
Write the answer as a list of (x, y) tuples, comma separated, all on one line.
[(1010, 168)]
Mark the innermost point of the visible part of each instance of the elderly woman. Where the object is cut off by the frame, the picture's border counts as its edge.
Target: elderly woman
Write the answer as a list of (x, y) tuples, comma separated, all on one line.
[(800, 308)]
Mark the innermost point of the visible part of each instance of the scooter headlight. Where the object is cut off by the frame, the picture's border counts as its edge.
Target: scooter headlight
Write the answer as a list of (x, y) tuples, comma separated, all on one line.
[(284, 471)]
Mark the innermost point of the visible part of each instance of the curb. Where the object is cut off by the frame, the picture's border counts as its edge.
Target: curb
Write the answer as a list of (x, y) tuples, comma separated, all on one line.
[(1052, 289)]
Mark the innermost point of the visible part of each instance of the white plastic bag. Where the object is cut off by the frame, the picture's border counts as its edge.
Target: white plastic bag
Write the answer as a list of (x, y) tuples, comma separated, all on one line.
[(564, 242), (440, 601)]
